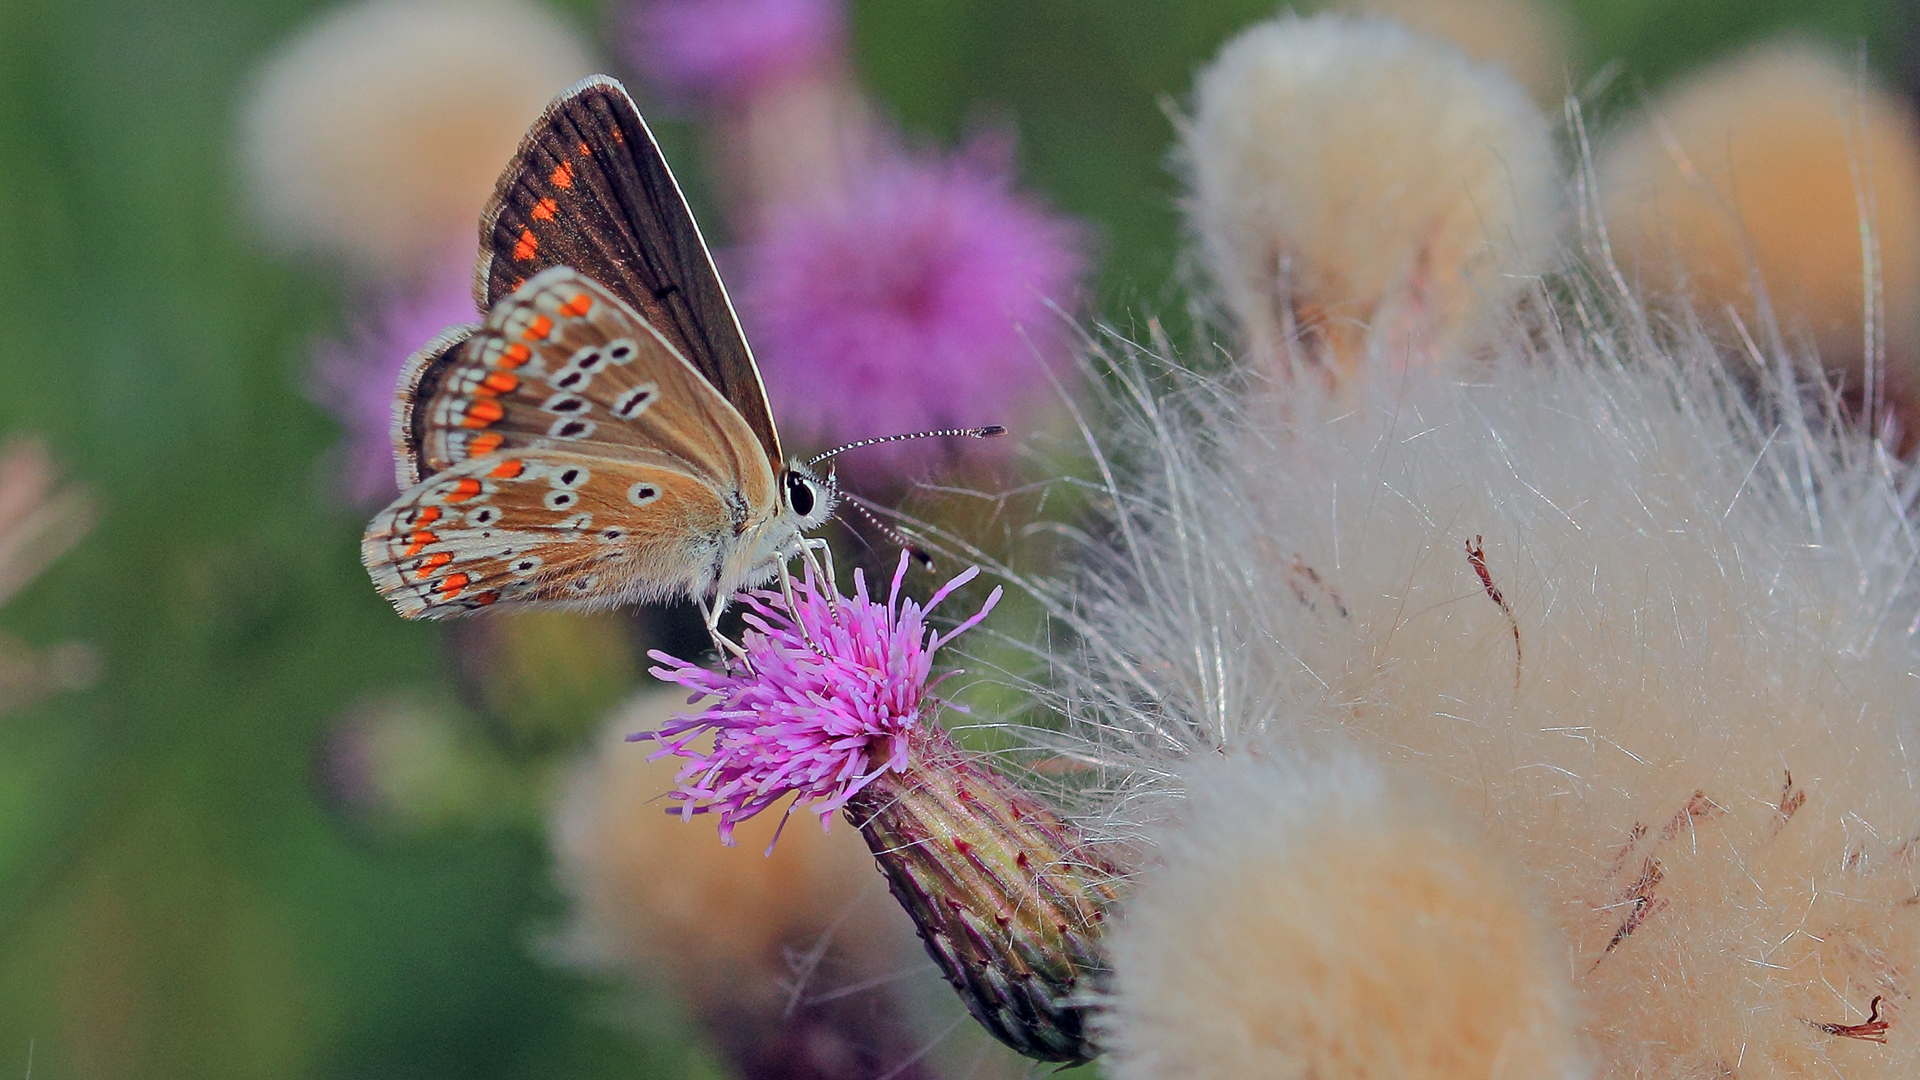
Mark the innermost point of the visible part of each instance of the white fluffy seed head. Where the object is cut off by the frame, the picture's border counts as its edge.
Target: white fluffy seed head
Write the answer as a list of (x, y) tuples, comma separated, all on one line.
[(658, 897), (1313, 918), (1359, 183), (1639, 612), (1526, 37), (375, 134), (1757, 180)]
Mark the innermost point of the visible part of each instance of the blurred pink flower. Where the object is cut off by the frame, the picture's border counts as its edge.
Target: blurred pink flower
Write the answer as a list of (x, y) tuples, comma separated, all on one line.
[(915, 299), (730, 49), (356, 378), (817, 724)]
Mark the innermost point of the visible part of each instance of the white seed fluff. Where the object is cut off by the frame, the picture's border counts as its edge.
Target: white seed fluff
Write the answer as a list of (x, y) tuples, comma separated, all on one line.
[(1359, 182)]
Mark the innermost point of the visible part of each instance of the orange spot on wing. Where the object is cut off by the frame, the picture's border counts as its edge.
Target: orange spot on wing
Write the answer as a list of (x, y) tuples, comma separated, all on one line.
[(419, 540), (528, 244), (507, 470), (513, 356), (481, 413), (500, 383), (482, 445), (563, 175), (483, 599), (427, 516), (544, 210), (585, 149), (577, 306), (455, 581), (540, 327), (466, 489), (434, 562)]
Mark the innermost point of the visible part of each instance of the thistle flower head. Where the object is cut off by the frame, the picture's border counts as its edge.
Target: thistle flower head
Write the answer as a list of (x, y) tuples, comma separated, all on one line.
[(1530, 40), (730, 49), (1338, 895), (917, 298), (1357, 188), (39, 522), (1770, 181), (355, 378), (378, 130), (817, 723)]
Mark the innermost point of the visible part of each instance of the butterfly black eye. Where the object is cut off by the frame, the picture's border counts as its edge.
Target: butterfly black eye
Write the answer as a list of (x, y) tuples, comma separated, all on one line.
[(799, 494)]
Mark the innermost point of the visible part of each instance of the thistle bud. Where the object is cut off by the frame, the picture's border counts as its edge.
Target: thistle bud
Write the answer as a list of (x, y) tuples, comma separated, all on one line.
[(1008, 901)]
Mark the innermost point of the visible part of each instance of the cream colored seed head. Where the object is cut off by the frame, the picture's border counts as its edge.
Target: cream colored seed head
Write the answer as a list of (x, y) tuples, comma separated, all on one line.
[(1766, 172), (1525, 37), (661, 898), (375, 134), (1315, 920), (1651, 639), (1370, 188)]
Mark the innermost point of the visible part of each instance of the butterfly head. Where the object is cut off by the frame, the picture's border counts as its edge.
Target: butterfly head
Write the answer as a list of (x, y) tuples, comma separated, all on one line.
[(807, 499)]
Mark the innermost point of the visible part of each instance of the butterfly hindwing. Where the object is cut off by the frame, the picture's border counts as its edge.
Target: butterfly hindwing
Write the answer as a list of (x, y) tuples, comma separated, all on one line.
[(419, 382), (563, 364), (589, 189), (548, 527)]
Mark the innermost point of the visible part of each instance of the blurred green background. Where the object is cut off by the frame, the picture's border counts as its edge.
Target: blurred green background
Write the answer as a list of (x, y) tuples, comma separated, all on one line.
[(179, 895)]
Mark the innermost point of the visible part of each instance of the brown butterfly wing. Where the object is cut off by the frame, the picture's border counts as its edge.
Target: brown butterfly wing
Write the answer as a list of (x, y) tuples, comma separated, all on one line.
[(548, 527), (562, 363), (589, 189)]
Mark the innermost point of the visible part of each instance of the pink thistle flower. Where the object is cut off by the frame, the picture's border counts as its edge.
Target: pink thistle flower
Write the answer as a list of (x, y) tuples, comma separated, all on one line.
[(356, 378), (915, 299), (731, 49), (820, 725)]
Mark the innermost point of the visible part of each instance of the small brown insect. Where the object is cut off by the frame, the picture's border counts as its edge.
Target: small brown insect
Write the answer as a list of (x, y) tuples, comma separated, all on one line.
[(1874, 1030)]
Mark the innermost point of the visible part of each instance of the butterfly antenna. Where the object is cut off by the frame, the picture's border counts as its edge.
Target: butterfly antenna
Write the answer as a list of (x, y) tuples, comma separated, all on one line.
[(991, 431), (899, 538)]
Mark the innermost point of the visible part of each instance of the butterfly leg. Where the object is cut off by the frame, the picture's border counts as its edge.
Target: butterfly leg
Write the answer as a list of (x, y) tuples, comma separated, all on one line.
[(723, 645), (819, 556), (793, 607)]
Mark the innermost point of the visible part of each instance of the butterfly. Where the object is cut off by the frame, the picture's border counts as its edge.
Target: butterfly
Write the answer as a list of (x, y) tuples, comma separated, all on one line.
[(603, 438)]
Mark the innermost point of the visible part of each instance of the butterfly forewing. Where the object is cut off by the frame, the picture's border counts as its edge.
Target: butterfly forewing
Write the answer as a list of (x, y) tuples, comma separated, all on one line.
[(604, 437), (563, 364), (589, 189), (547, 526)]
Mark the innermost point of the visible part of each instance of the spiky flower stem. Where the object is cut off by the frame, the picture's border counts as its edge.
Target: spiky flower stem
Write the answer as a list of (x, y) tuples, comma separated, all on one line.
[(1009, 902)]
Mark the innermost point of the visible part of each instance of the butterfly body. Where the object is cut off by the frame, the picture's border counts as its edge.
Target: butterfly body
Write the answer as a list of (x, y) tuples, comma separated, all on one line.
[(603, 438)]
